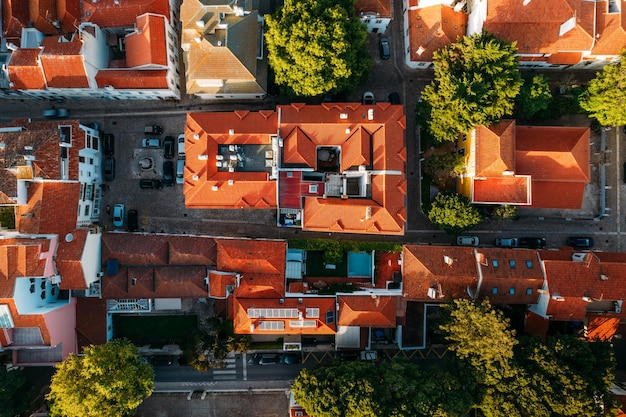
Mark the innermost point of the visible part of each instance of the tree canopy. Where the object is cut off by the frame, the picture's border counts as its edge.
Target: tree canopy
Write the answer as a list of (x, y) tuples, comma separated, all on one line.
[(317, 46), (444, 167), (453, 213), (605, 98), (14, 392), (534, 96), (400, 388), (563, 376), (476, 82), (110, 380)]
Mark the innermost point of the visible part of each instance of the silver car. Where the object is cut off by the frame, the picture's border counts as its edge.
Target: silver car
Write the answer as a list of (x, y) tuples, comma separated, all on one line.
[(467, 240), (118, 215)]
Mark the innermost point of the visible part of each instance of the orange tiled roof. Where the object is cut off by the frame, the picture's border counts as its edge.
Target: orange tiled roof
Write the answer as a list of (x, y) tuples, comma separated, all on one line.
[(63, 64), (535, 25), (366, 310), (147, 45), (244, 324), (512, 189), (15, 17), (132, 79), (449, 268), (211, 188), (45, 201), (383, 8), (218, 281), (68, 262), (433, 27), (612, 30), (156, 282), (20, 258), (602, 328), (112, 13), (25, 70), (597, 277), (517, 277), (251, 256)]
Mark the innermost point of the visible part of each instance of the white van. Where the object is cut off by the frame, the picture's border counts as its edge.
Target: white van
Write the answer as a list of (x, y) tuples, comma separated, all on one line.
[(180, 170)]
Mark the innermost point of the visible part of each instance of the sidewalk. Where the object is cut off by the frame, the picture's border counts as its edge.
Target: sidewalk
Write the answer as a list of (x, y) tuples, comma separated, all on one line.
[(232, 386)]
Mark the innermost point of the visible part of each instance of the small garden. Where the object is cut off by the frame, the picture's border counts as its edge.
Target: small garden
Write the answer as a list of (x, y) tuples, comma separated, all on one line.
[(155, 330)]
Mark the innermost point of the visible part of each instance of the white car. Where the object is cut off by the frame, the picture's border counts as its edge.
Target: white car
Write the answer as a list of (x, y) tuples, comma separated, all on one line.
[(150, 143), (118, 215), (181, 145), (467, 240)]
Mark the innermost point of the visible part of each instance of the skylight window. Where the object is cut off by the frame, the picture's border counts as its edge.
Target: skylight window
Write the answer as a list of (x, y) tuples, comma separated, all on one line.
[(494, 263), (529, 291), (494, 290), (512, 290), (512, 263), (529, 264)]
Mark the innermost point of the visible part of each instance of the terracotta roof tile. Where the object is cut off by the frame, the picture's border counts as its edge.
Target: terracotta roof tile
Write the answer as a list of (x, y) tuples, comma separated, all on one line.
[(218, 281), (19, 258), (45, 201), (147, 45), (25, 70), (132, 79), (449, 270), (15, 17), (602, 328), (112, 13), (382, 8), (612, 30), (156, 282), (511, 189), (367, 311), (135, 249), (495, 149), (68, 262), (184, 250), (63, 64), (433, 27), (251, 256), (325, 306)]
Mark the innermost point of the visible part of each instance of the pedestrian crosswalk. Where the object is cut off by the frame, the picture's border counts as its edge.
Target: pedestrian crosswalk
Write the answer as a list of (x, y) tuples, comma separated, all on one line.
[(229, 372)]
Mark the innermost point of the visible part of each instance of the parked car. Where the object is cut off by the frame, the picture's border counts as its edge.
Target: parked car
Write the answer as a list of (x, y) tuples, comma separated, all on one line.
[(532, 242), (383, 45), (291, 358), (108, 168), (118, 215), (181, 145), (150, 143), (394, 98), (132, 221), (153, 130), (368, 98), (268, 359), (108, 143), (168, 173), (161, 360), (151, 184), (168, 147), (56, 113), (507, 242), (180, 171), (580, 242), (467, 240)]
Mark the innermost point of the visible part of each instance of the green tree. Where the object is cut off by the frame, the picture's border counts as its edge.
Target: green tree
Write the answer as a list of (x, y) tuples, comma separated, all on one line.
[(476, 82), (317, 46), (443, 167), (480, 336), (505, 212), (605, 99), (453, 213), (14, 392), (110, 380), (534, 96)]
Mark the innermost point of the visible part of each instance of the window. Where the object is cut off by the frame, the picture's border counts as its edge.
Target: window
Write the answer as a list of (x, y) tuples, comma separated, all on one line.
[(494, 290), (494, 263), (87, 210), (81, 159), (512, 263), (6, 321), (299, 413), (529, 291), (529, 264), (512, 290)]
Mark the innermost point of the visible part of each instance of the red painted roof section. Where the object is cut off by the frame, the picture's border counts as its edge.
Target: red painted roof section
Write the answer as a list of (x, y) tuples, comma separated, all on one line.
[(132, 79), (68, 262), (243, 324), (218, 281), (451, 268), (91, 322), (15, 16), (536, 325), (63, 64), (109, 13), (433, 27), (25, 71), (147, 45), (156, 282), (367, 311)]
